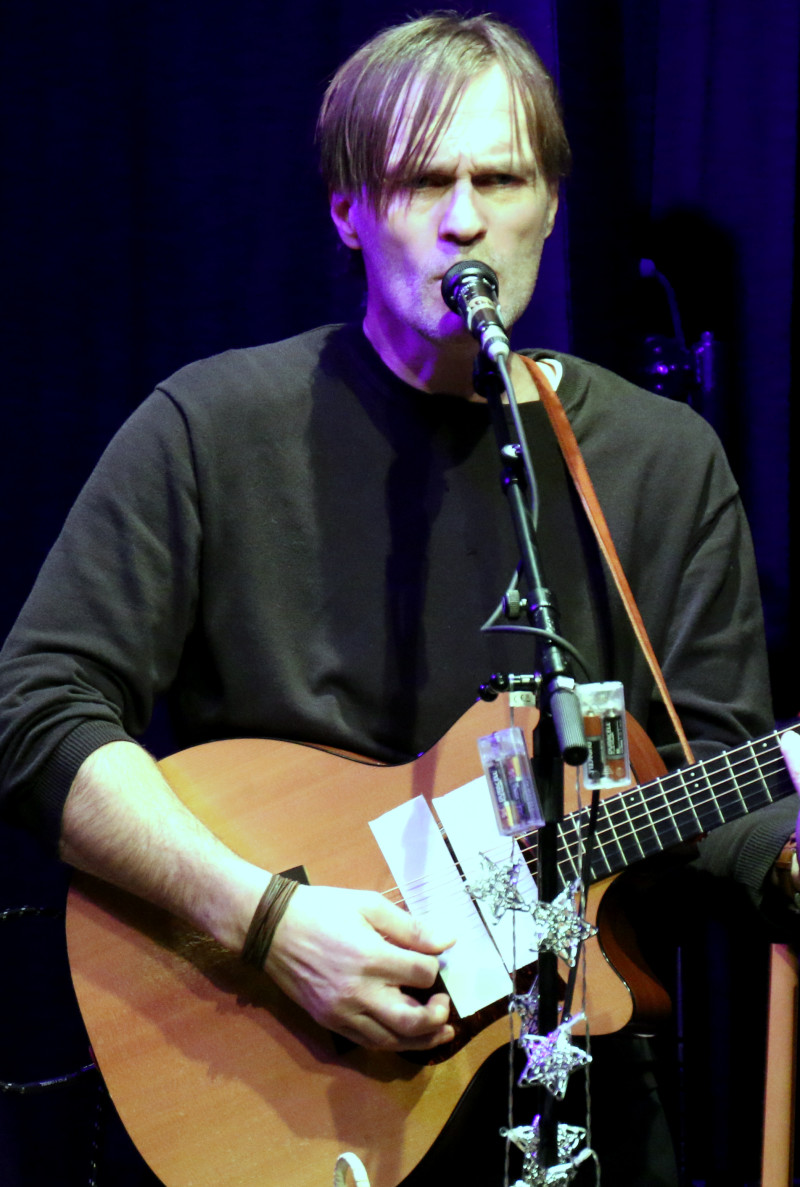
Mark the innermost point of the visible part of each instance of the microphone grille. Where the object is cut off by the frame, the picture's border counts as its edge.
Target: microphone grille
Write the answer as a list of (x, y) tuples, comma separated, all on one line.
[(462, 273)]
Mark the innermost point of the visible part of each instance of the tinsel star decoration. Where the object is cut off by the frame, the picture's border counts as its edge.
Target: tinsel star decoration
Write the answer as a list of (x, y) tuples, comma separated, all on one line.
[(560, 926), (526, 1139), (551, 1059), (498, 887), (526, 1007)]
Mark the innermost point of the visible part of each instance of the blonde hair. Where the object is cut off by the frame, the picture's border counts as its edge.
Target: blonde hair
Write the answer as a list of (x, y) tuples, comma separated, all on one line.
[(413, 75)]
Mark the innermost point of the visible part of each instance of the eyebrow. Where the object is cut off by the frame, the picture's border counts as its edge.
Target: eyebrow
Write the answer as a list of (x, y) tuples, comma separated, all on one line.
[(501, 162)]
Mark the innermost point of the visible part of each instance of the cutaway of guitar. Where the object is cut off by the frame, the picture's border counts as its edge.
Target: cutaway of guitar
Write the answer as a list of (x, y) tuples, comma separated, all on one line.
[(218, 1077)]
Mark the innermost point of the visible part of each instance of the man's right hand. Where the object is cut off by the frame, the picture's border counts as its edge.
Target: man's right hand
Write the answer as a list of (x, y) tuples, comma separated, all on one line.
[(345, 956)]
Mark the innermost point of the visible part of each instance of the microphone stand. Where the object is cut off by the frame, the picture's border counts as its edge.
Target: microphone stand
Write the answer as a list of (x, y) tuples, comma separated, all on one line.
[(559, 736)]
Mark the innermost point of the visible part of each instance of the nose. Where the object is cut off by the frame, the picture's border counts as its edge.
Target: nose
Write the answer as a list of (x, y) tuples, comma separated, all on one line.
[(463, 219)]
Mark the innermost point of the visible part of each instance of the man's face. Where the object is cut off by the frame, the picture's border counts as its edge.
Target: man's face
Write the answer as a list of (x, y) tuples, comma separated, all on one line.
[(476, 199)]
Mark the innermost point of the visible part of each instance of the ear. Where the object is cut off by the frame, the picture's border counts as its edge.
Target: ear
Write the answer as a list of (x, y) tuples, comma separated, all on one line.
[(342, 213), (551, 211)]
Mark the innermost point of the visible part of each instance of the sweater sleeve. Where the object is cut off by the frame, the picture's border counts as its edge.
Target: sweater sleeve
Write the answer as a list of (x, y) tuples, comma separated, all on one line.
[(102, 632), (676, 515), (715, 665)]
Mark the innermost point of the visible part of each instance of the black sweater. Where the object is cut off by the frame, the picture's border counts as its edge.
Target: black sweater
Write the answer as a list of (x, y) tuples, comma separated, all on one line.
[(289, 541)]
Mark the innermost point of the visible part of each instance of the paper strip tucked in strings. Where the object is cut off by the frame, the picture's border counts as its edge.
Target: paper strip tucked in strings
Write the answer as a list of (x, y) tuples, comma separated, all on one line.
[(471, 828), (474, 972), (418, 857)]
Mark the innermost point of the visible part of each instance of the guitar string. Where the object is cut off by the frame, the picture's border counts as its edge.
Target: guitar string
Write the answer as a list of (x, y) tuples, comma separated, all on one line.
[(619, 805), (569, 850), (620, 820), (609, 830), (617, 832), (665, 804)]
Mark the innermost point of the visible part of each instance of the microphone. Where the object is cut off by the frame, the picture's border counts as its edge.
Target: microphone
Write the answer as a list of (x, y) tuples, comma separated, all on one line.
[(471, 290)]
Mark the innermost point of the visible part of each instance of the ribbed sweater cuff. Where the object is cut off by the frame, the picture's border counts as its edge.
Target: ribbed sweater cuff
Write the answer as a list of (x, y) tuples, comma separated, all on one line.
[(759, 852), (60, 770)]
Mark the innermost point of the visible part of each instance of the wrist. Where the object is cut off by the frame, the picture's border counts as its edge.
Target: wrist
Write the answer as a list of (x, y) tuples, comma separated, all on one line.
[(231, 900), (786, 873)]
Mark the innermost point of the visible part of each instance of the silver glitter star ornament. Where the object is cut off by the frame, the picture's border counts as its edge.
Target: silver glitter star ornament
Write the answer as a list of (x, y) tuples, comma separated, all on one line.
[(526, 1138), (560, 927), (551, 1059), (526, 1007), (498, 887)]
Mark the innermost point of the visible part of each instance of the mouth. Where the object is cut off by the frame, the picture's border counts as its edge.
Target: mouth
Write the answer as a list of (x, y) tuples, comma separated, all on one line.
[(439, 276)]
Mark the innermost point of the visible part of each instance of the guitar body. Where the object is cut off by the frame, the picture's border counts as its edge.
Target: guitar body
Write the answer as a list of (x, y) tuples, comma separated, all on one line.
[(221, 1079)]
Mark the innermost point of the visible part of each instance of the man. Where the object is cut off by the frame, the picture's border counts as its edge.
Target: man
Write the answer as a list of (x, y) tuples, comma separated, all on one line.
[(302, 541)]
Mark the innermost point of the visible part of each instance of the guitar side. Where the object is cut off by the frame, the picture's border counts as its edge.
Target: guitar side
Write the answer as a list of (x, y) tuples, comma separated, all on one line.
[(219, 1077)]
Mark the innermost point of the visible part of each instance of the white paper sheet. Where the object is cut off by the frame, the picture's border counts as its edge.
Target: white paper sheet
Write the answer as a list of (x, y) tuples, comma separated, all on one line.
[(475, 973), (431, 885), (471, 828)]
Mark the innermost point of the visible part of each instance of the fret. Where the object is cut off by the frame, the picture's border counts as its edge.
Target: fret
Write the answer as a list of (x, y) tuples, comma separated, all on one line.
[(601, 858), (631, 843), (647, 826), (759, 792), (683, 814), (738, 806), (606, 837), (623, 831), (601, 866), (529, 846), (723, 787), (761, 750), (703, 801), (569, 861), (661, 815)]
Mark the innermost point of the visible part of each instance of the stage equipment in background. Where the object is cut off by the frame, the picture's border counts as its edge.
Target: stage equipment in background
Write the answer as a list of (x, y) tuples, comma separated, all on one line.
[(674, 369)]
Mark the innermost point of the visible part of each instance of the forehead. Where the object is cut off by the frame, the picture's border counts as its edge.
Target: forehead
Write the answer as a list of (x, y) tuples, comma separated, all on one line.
[(489, 119)]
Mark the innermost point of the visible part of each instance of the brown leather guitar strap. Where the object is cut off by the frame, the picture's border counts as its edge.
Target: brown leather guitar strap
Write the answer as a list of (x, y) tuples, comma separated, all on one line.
[(583, 484)]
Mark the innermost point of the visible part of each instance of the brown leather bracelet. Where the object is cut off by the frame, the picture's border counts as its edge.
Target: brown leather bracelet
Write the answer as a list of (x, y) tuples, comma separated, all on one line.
[(266, 918)]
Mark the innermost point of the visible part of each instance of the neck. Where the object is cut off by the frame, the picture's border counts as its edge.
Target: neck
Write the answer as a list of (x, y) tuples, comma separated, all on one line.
[(441, 367), (428, 366)]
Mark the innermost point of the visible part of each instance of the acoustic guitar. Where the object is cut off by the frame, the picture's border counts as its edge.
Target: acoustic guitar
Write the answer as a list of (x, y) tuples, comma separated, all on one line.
[(221, 1079)]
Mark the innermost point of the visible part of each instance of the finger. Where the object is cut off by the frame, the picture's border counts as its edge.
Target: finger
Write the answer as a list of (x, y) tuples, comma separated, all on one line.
[(397, 966), (394, 1021), (405, 930), (418, 1019), (371, 1033), (790, 746), (406, 1015)]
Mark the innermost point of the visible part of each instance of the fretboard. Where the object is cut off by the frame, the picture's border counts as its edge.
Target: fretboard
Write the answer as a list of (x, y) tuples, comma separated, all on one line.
[(678, 806)]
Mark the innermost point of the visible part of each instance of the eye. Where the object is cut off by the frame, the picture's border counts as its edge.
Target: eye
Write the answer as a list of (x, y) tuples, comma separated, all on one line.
[(498, 180), (429, 181)]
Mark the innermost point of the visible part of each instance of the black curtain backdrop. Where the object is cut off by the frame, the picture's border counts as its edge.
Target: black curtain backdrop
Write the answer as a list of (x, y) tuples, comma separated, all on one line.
[(161, 202)]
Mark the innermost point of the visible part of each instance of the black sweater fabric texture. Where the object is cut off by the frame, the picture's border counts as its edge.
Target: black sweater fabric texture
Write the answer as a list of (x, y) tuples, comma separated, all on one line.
[(288, 541)]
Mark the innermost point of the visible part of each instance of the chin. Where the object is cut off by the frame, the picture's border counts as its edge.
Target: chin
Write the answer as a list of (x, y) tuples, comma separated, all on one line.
[(450, 329)]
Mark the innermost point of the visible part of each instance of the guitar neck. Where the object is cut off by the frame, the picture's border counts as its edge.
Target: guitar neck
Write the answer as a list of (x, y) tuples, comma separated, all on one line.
[(678, 806)]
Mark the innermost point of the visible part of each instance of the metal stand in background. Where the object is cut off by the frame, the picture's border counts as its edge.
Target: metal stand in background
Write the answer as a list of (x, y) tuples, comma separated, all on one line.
[(672, 368)]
